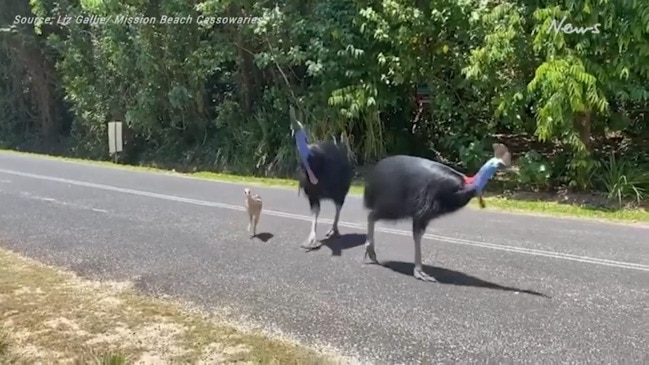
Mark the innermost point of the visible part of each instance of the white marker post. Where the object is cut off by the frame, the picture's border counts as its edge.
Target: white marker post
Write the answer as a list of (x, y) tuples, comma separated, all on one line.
[(114, 138)]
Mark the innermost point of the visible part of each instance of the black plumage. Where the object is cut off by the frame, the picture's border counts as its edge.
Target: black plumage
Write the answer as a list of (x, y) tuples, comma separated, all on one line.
[(407, 187), (331, 167)]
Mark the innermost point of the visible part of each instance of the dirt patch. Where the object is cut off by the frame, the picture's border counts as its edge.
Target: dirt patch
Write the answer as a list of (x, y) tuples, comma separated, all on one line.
[(51, 316)]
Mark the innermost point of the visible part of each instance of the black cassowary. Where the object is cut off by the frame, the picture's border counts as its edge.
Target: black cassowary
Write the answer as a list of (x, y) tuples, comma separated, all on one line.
[(325, 174), (401, 187)]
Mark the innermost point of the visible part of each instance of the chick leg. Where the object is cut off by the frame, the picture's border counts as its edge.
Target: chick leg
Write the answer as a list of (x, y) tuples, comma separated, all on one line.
[(312, 241), (254, 224), (333, 232), (249, 222), (369, 243), (417, 233)]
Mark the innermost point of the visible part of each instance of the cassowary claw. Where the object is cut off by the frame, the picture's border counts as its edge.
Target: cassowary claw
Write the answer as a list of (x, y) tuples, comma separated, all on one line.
[(311, 244), (369, 252), (421, 275), (333, 233)]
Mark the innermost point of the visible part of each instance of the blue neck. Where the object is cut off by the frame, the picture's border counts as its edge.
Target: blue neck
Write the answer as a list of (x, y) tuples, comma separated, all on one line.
[(302, 144), (486, 172)]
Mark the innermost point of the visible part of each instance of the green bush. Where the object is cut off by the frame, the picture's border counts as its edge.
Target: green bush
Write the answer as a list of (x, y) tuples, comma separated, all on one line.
[(535, 171), (624, 180)]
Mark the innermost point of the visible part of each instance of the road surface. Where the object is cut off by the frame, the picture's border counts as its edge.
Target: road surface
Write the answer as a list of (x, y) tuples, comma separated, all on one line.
[(512, 288)]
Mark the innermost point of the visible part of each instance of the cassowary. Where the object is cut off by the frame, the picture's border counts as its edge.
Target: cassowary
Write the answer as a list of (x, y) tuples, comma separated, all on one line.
[(325, 174), (401, 187), (254, 205)]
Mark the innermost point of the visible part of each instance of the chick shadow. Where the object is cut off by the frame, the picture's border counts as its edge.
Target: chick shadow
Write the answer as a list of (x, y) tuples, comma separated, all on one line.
[(264, 236), (342, 242), (451, 277)]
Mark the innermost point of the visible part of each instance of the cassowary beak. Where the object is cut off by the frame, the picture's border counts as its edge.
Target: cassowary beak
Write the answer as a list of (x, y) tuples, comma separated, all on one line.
[(295, 124), (506, 163), (502, 165)]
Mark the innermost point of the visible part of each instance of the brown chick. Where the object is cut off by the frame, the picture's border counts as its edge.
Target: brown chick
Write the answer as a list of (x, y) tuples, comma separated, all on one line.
[(253, 206)]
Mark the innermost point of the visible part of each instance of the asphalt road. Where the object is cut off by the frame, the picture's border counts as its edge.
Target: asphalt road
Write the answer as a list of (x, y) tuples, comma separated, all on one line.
[(512, 288)]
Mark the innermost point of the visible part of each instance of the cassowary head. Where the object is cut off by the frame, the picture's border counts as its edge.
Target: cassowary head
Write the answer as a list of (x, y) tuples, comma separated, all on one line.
[(295, 124), (502, 160)]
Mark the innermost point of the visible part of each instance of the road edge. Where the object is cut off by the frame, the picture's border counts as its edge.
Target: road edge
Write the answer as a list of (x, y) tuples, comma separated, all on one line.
[(635, 217)]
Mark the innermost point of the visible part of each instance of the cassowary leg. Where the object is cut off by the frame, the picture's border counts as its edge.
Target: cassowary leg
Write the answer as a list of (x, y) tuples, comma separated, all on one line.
[(249, 222), (312, 241), (369, 243), (418, 273), (333, 232)]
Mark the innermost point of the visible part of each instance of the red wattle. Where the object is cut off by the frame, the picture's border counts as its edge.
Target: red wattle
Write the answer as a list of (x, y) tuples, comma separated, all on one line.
[(469, 179)]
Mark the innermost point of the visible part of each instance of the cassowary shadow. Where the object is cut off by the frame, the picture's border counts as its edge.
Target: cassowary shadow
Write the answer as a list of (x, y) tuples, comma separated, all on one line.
[(342, 242), (264, 236), (446, 276)]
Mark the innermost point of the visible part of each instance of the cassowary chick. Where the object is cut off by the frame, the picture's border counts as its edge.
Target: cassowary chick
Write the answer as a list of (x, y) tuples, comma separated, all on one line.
[(401, 187), (253, 207)]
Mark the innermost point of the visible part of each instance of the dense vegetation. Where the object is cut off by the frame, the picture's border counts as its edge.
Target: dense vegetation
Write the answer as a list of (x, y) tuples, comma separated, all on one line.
[(571, 106)]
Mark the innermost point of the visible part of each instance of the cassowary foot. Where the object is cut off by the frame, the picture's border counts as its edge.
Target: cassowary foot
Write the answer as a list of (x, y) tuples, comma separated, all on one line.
[(421, 275), (333, 233), (311, 243), (371, 253)]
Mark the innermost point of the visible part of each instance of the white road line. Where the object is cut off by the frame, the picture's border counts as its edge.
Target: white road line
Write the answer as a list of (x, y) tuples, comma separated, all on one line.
[(58, 202), (459, 241)]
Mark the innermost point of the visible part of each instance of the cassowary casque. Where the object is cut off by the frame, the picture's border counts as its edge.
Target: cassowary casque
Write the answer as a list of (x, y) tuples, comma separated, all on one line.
[(325, 174), (253, 207), (401, 187)]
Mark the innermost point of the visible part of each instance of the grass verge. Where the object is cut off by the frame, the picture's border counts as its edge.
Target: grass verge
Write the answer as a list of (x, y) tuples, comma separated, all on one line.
[(52, 316), (629, 215)]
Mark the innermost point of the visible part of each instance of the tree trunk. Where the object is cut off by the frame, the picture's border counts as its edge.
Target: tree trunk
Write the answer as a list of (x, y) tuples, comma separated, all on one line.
[(583, 125), (29, 51)]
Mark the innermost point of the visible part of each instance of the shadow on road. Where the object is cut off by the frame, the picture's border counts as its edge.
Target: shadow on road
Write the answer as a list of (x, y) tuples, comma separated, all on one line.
[(342, 242), (264, 236), (446, 276)]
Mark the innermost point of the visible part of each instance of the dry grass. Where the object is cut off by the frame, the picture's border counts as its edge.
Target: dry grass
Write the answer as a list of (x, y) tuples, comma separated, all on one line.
[(50, 316)]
